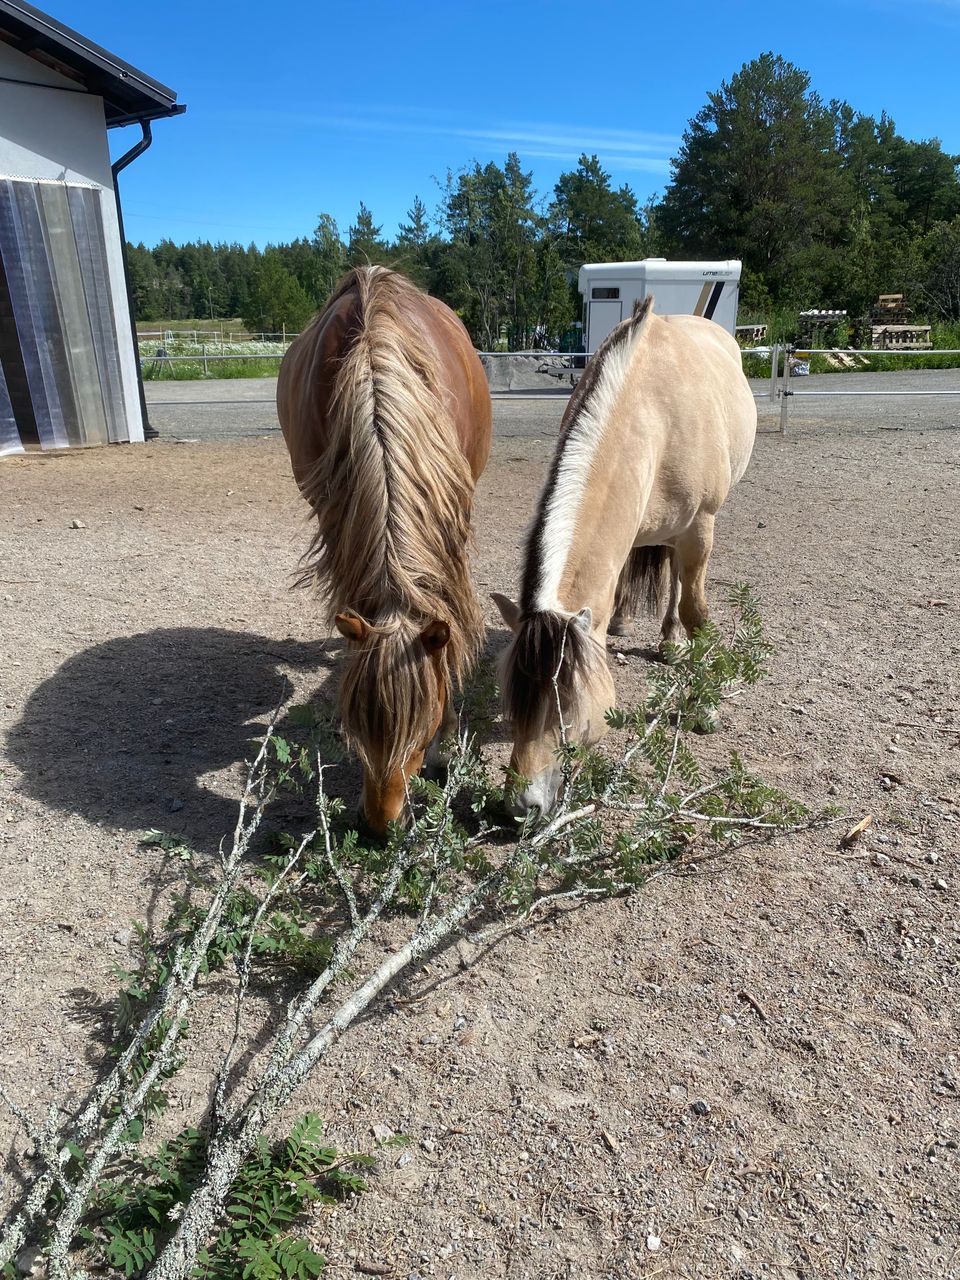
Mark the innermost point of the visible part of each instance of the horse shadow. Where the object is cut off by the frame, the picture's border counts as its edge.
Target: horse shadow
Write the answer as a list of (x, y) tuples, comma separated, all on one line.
[(125, 732)]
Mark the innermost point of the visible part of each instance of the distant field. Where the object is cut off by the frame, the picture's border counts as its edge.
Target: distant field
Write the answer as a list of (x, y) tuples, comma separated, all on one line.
[(186, 359), (210, 330)]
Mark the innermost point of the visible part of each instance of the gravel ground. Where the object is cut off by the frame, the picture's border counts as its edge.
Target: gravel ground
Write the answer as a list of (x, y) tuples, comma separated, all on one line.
[(747, 1071)]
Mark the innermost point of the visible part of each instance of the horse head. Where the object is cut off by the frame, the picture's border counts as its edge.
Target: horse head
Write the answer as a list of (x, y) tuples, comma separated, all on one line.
[(393, 696), (556, 690)]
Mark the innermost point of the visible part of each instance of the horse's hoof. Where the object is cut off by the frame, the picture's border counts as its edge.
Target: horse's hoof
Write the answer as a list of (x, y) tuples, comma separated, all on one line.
[(707, 721), (620, 626)]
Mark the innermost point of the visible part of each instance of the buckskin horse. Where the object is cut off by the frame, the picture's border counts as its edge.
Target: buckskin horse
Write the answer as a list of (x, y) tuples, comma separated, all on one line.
[(659, 428), (386, 414)]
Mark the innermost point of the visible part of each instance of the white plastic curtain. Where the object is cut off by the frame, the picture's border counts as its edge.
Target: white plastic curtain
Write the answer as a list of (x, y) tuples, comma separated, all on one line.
[(59, 361)]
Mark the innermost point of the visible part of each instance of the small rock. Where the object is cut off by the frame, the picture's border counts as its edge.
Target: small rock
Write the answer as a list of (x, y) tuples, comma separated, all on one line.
[(653, 1243), (727, 1021), (933, 858), (940, 883), (833, 789), (28, 1260), (381, 1132), (404, 1159), (77, 524), (123, 937), (176, 806), (880, 859), (700, 1108)]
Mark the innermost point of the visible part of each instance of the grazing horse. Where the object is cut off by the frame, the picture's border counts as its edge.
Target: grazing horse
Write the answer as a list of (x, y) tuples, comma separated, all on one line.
[(386, 413), (659, 427)]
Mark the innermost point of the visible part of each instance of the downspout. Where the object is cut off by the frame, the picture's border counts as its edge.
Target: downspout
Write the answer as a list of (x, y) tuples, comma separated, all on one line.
[(149, 432)]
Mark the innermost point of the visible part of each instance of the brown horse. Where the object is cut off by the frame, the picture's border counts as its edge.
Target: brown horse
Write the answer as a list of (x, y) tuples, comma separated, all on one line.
[(660, 426), (386, 413)]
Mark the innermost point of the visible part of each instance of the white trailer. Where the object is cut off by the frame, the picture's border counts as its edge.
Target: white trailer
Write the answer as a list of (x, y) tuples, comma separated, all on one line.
[(610, 289)]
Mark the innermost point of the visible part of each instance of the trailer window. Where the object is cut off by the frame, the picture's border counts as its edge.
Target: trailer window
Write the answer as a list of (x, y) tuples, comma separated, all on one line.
[(604, 291)]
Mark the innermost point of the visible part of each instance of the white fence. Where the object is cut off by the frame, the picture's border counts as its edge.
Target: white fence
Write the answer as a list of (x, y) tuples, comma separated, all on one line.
[(783, 385), (780, 388)]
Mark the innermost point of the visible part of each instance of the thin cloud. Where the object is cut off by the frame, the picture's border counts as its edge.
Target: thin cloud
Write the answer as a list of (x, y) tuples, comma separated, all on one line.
[(628, 149)]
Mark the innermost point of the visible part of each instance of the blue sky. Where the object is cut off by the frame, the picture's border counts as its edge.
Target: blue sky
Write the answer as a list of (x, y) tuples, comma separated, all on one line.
[(305, 107)]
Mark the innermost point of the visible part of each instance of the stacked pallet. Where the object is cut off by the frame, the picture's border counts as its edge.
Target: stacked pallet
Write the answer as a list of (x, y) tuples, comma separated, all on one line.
[(890, 329)]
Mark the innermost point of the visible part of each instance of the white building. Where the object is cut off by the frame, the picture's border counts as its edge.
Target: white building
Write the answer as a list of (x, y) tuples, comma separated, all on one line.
[(610, 289), (69, 372)]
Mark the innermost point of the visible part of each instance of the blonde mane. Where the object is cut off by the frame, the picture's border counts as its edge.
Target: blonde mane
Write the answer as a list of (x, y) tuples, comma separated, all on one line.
[(581, 435), (392, 493)]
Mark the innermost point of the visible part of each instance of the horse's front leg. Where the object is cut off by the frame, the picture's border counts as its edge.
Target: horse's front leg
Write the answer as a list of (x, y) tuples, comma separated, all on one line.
[(692, 554), (437, 756)]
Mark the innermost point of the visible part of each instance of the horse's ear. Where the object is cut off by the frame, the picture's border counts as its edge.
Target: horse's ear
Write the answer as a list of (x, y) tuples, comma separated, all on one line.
[(584, 619), (509, 611), (435, 637), (351, 627)]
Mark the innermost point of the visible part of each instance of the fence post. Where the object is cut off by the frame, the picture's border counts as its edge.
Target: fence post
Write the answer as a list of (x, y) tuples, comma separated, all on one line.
[(774, 370), (785, 391), (204, 351)]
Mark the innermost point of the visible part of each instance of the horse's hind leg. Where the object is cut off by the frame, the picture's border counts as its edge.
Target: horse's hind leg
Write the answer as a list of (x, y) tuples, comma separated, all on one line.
[(622, 620), (692, 553), (671, 631)]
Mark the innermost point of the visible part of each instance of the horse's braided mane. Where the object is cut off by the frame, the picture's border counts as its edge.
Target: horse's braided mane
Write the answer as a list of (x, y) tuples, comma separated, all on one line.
[(392, 493)]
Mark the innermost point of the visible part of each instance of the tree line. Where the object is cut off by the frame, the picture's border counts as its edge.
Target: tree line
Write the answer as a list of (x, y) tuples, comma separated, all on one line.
[(826, 207)]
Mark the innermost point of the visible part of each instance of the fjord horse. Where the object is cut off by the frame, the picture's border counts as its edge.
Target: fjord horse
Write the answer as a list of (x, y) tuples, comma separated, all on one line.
[(386, 414), (659, 428)]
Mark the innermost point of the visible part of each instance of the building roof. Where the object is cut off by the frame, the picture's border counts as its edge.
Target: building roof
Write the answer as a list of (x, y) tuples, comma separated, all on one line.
[(128, 95)]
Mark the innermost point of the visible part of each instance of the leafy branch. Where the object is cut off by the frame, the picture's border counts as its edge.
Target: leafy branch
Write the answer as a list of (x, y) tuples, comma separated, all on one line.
[(218, 1197)]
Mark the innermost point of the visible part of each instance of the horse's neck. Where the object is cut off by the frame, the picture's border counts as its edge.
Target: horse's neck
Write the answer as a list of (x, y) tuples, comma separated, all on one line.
[(606, 523)]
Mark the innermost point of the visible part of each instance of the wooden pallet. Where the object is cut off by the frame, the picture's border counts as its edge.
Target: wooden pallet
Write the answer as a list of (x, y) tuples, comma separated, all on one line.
[(900, 337)]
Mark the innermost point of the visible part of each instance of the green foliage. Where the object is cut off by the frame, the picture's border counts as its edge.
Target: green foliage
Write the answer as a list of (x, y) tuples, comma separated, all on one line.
[(364, 245), (592, 221), (818, 200), (130, 1220), (277, 299)]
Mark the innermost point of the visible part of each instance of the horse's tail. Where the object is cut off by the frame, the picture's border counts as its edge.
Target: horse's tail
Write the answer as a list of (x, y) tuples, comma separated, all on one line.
[(392, 490), (643, 581)]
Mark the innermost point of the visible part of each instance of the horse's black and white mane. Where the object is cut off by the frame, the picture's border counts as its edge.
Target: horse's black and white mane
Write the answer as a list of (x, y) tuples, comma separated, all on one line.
[(550, 650)]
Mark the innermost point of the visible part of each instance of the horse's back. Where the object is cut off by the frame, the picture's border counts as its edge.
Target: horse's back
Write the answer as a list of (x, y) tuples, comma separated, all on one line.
[(709, 411), (306, 380), (437, 341)]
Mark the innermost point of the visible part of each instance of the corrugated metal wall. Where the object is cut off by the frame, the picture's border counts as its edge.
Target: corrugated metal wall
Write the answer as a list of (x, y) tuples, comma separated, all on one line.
[(60, 382)]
